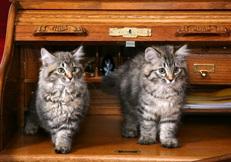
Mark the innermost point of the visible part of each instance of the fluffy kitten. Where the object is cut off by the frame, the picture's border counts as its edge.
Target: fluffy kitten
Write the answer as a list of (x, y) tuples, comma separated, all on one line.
[(61, 100), (151, 88)]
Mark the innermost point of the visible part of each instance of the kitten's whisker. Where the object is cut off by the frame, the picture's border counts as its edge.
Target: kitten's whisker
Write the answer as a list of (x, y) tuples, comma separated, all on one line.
[(92, 85)]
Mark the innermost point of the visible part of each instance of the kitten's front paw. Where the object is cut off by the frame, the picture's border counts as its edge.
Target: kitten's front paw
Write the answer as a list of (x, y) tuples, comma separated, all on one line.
[(30, 130), (146, 140), (169, 143), (62, 149), (129, 133)]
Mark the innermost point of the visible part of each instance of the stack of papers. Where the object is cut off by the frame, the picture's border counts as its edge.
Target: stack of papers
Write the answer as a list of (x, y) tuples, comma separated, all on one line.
[(215, 100)]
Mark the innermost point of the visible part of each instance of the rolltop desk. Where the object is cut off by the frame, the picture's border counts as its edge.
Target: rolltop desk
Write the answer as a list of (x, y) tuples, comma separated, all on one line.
[(112, 27)]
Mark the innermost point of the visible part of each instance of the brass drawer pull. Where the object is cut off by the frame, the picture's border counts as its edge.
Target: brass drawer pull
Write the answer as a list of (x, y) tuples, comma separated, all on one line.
[(200, 30), (204, 72), (59, 30), (130, 32)]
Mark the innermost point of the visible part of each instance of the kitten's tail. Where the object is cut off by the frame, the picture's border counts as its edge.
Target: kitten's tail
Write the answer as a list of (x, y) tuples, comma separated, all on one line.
[(110, 79)]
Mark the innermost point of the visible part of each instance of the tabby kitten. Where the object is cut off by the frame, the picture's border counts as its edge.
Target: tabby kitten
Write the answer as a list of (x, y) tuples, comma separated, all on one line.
[(151, 89), (61, 100)]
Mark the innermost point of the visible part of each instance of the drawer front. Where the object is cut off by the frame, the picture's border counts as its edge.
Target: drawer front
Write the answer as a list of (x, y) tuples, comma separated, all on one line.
[(59, 25), (209, 69)]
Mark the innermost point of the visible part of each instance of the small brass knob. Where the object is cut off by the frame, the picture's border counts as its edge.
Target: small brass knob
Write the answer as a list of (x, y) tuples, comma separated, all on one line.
[(203, 73)]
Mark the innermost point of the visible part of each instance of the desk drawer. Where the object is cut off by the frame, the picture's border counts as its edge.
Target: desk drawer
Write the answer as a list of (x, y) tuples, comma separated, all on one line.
[(85, 25), (209, 69)]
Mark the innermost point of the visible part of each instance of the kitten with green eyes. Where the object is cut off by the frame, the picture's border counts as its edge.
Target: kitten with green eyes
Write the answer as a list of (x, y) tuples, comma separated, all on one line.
[(151, 88), (61, 100)]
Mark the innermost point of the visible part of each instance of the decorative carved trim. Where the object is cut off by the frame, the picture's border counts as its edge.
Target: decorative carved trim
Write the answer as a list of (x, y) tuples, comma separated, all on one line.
[(130, 32), (202, 30), (59, 29)]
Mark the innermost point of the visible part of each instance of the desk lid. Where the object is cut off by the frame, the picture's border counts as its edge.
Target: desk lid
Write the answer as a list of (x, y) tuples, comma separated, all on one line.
[(126, 5)]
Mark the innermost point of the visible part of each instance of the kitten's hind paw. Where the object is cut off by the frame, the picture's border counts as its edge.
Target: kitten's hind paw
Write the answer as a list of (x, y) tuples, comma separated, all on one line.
[(129, 133), (62, 149), (169, 143), (30, 130), (146, 140)]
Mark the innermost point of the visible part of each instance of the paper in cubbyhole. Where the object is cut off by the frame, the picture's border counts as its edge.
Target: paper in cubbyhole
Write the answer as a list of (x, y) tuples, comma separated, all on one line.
[(130, 44)]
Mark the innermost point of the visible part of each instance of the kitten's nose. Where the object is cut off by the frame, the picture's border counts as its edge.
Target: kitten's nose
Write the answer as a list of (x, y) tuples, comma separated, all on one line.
[(69, 76), (170, 80)]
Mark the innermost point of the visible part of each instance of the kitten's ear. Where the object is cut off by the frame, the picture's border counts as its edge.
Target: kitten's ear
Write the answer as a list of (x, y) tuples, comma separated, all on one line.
[(151, 54), (78, 53), (182, 50), (46, 57)]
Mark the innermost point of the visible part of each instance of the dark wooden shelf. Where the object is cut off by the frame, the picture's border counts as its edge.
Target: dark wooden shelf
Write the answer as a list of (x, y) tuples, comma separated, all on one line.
[(94, 79), (200, 137)]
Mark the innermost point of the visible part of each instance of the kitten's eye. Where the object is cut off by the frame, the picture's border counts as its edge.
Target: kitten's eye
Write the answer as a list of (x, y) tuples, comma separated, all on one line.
[(162, 70), (176, 69), (61, 70), (75, 69)]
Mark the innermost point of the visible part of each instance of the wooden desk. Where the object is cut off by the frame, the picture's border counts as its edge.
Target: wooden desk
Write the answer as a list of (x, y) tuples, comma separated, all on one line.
[(62, 25)]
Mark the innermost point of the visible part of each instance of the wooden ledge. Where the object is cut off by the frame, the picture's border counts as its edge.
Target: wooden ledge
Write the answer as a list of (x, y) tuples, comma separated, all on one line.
[(200, 137)]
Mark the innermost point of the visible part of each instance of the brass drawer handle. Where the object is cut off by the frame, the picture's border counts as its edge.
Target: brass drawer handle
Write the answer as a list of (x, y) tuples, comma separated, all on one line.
[(130, 32), (200, 30), (59, 29), (204, 72)]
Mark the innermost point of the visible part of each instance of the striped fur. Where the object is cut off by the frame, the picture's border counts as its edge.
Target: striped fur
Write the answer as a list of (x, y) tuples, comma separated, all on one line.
[(151, 89), (61, 100)]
